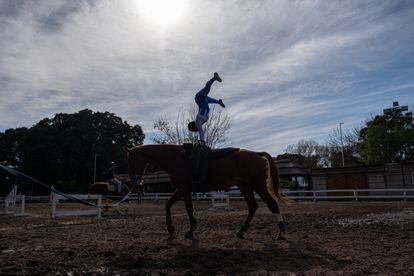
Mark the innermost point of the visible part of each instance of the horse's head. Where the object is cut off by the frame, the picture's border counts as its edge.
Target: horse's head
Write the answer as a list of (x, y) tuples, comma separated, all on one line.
[(136, 164)]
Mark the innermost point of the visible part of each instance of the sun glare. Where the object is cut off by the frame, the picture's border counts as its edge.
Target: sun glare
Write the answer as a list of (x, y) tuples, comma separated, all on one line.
[(163, 12)]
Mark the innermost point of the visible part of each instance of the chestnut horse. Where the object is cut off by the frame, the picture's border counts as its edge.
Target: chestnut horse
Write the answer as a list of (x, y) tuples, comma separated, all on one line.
[(250, 171)]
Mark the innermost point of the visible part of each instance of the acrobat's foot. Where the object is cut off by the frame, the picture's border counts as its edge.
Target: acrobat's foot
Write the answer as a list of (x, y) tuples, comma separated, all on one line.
[(217, 77)]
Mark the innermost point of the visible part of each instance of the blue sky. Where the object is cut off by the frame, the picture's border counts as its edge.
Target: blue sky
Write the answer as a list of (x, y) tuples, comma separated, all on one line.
[(291, 69)]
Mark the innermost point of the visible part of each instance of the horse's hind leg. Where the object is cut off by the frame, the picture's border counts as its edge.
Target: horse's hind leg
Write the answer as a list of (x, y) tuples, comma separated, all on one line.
[(190, 212), (252, 205), (173, 199), (274, 208)]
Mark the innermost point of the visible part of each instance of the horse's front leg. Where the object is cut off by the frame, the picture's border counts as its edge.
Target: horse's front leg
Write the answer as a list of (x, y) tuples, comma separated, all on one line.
[(190, 212), (168, 218)]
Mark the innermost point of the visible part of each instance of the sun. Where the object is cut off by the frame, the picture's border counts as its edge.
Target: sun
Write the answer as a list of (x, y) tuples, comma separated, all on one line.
[(163, 12)]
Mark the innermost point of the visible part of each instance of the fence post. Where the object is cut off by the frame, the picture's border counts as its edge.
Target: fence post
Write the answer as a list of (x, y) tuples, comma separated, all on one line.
[(356, 195), (100, 209), (405, 195), (23, 203), (54, 199), (6, 205), (314, 196)]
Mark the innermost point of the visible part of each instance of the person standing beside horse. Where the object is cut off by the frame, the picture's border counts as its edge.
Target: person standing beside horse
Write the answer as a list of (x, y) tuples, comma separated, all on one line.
[(203, 100)]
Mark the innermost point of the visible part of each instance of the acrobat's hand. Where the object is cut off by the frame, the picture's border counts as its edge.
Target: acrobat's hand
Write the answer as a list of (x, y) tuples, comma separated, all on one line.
[(221, 103)]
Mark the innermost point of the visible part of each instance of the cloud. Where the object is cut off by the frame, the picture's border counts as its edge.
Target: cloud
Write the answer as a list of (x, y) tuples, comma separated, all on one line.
[(292, 69), (10, 8)]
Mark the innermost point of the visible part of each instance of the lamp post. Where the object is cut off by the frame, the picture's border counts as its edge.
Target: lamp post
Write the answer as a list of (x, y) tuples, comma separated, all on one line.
[(342, 144), (94, 167)]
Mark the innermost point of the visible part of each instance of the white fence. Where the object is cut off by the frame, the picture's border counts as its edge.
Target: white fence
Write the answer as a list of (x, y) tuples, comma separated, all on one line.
[(220, 200), (352, 194), (56, 198), (314, 195), (11, 207), (11, 203)]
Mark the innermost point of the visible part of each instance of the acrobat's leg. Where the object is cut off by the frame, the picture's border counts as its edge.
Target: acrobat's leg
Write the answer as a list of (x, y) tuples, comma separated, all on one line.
[(202, 94), (212, 100)]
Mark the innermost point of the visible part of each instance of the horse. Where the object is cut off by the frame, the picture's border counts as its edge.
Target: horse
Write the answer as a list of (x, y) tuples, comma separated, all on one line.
[(250, 171)]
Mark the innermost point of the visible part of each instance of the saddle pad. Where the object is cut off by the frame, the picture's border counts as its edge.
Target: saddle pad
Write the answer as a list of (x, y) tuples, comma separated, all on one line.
[(220, 153), (212, 154)]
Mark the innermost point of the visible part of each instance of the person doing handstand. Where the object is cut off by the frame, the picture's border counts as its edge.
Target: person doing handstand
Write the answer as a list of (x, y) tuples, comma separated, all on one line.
[(203, 100)]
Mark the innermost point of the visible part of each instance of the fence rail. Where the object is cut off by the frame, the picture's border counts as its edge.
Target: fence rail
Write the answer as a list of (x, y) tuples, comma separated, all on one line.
[(351, 194), (314, 195)]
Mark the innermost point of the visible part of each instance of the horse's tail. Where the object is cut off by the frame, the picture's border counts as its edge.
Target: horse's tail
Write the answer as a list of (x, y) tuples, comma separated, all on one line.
[(273, 179)]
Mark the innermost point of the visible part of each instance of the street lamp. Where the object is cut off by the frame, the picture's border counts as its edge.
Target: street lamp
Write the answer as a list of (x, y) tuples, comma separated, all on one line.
[(342, 144), (94, 167)]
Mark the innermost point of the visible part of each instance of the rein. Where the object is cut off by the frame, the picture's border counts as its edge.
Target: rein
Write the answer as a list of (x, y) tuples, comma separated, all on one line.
[(18, 174)]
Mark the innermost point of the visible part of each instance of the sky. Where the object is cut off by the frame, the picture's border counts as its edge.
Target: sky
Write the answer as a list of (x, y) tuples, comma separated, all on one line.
[(291, 70)]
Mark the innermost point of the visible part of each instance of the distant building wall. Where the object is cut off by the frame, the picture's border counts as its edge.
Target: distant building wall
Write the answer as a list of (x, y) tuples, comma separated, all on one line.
[(387, 176), (376, 180)]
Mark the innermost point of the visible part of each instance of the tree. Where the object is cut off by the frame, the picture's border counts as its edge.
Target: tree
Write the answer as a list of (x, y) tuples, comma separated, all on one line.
[(10, 141), (175, 131), (351, 148), (388, 138), (60, 151), (307, 153)]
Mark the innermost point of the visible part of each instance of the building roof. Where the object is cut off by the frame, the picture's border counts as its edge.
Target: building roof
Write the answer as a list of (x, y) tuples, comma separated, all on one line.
[(288, 168)]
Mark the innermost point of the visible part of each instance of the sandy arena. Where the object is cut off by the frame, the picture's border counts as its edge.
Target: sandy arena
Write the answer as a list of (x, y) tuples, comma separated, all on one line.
[(352, 238)]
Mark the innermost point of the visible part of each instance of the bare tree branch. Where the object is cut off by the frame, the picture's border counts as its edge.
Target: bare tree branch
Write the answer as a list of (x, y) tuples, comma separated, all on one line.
[(174, 131)]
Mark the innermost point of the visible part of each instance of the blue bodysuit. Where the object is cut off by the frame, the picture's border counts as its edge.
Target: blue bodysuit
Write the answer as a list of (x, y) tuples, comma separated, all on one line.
[(202, 101)]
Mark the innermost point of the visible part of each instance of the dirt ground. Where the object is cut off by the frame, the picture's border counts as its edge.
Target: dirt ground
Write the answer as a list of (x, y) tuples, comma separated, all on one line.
[(324, 238)]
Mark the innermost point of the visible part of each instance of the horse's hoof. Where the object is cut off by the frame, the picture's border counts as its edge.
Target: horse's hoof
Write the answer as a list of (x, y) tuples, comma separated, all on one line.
[(240, 235), (171, 230), (281, 237), (282, 226), (189, 235)]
